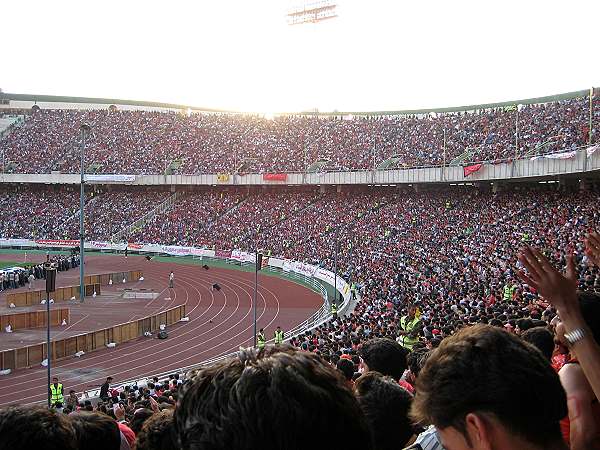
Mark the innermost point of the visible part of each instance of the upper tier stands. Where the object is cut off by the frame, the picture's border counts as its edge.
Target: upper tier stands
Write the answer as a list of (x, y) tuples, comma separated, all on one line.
[(142, 142)]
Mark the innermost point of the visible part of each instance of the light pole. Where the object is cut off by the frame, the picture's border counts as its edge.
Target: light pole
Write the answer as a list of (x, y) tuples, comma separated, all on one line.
[(258, 260), (85, 130), (50, 287)]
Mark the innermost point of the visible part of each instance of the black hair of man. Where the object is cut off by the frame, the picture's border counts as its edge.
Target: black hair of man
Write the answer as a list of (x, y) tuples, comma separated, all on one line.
[(139, 418), (96, 431), (488, 371), (386, 406), (158, 433), (385, 356), (33, 427), (542, 339), (416, 360), (277, 398)]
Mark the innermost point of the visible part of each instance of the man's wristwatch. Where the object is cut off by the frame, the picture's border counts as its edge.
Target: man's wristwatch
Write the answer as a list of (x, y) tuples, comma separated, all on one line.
[(575, 336)]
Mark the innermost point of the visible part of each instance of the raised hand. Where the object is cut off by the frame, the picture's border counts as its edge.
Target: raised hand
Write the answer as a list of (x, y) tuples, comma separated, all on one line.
[(558, 289), (592, 248)]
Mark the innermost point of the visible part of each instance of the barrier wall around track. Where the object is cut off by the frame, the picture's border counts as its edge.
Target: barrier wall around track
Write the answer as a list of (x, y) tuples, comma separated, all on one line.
[(30, 298), (34, 319), (93, 284), (34, 354)]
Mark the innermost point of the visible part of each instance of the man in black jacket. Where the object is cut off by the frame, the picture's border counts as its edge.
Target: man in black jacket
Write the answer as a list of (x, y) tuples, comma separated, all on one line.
[(104, 389)]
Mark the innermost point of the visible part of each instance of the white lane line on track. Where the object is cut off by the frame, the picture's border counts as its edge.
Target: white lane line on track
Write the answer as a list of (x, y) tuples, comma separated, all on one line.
[(178, 363), (169, 349)]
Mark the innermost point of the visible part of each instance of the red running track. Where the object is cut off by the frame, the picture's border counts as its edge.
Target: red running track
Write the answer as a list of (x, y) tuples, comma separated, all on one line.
[(220, 322)]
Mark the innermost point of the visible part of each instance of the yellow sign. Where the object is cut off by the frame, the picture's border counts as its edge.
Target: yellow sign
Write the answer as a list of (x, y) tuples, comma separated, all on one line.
[(223, 177)]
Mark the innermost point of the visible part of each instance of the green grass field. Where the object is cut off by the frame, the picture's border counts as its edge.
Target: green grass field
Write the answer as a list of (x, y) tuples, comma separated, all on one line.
[(177, 260)]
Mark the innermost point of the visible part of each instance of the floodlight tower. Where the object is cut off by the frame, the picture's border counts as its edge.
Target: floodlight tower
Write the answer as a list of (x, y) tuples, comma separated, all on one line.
[(312, 12)]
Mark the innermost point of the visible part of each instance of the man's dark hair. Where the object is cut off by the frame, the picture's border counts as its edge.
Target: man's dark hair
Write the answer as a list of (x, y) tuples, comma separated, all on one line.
[(32, 427), (541, 339), (96, 431), (385, 356), (346, 367), (484, 369), (416, 360), (158, 433), (139, 418), (386, 406), (590, 310), (276, 398)]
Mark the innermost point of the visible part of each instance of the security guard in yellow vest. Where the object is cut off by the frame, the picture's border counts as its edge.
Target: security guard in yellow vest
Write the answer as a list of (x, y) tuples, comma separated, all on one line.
[(261, 339), (410, 325), (56, 392), (278, 336), (334, 310)]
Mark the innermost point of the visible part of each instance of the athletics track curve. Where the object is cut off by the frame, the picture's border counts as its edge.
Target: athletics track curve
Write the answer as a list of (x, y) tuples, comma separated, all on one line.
[(220, 322)]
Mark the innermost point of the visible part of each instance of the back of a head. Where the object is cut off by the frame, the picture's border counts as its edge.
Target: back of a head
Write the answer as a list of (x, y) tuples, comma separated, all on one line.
[(385, 356), (139, 418), (542, 339), (386, 406), (486, 370), (346, 367), (33, 427), (96, 431), (590, 310), (277, 398), (158, 433)]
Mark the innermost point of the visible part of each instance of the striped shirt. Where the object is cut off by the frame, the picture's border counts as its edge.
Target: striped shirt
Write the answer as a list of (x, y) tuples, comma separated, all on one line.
[(429, 439)]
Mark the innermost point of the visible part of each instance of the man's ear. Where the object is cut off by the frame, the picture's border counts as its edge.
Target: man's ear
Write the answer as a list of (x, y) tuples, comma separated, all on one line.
[(479, 431)]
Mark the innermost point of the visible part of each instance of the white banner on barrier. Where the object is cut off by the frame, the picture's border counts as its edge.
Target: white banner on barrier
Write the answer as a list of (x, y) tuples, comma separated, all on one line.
[(286, 265), (110, 177)]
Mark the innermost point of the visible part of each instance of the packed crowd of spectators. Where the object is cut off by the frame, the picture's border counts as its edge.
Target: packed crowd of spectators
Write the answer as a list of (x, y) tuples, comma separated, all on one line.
[(450, 284), (142, 142)]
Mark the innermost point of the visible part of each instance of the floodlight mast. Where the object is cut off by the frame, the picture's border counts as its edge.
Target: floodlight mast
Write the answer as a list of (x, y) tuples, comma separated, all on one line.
[(312, 12)]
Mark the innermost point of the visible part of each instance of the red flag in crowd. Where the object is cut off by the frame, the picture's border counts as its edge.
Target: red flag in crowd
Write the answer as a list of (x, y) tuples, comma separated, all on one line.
[(468, 170)]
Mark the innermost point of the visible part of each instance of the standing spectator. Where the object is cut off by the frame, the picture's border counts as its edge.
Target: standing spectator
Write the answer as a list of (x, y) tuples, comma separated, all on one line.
[(104, 396), (35, 427), (171, 279), (486, 388), (280, 399), (386, 406), (96, 431)]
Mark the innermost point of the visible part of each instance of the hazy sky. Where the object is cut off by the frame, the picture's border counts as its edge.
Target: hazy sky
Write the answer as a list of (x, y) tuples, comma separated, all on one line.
[(241, 54)]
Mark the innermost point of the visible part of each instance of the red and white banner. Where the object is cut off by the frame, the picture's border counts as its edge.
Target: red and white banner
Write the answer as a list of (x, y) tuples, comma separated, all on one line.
[(223, 254), (469, 170), (56, 242)]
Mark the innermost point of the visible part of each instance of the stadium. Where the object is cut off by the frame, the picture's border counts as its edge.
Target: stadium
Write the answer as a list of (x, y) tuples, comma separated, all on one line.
[(176, 276)]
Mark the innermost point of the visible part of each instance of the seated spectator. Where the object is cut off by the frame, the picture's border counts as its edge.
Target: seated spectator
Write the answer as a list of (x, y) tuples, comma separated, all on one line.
[(484, 388), (278, 398), (386, 406), (35, 427), (96, 431), (158, 433)]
